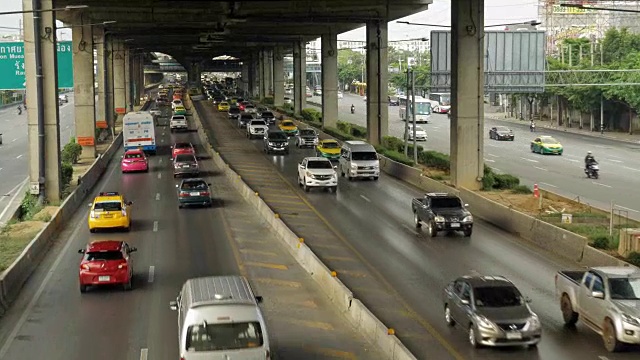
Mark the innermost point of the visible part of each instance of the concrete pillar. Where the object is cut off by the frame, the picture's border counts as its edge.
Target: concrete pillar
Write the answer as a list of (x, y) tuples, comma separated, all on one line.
[(245, 76), (109, 99), (135, 93), (119, 76), (299, 76), (256, 78), (47, 107), (278, 76), (83, 87), (141, 84), (262, 64), (329, 80), (467, 93), (252, 75), (102, 56), (127, 79), (268, 73), (377, 82)]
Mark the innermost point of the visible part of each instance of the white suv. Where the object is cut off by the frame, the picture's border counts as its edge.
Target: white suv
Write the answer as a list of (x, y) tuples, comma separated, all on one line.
[(257, 128), (421, 134), (178, 122), (317, 172)]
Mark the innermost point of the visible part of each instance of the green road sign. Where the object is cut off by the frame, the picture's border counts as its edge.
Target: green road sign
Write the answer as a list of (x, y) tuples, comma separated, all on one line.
[(12, 65)]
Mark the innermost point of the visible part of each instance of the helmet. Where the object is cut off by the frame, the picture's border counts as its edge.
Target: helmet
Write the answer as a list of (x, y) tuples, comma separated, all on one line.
[(588, 152)]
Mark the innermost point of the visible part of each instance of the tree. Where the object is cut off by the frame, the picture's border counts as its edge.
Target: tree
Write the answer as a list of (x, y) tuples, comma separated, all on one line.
[(350, 66)]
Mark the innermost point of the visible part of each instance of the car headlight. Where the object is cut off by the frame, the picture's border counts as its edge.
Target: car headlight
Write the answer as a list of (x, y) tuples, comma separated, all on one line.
[(310, 175), (272, 144), (439, 219), (354, 166), (534, 321), (468, 218), (630, 319), (485, 323)]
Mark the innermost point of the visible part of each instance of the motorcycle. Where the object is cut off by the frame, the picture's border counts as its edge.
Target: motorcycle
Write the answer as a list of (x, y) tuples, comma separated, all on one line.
[(592, 171), (532, 127), (19, 110), (353, 109)]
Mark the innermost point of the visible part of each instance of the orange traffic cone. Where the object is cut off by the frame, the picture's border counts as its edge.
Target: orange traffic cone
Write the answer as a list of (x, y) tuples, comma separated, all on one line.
[(536, 191)]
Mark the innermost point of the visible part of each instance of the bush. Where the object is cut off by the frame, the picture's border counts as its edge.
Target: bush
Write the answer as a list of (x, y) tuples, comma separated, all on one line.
[(344, 126), (338, 134), (602, 242), (393, 143), (634, 258), (267, 101), (29, 206), (399, 157), (358, 131), (521, 189), (71, 151), (488, 179), (434, 159), (505, 181), (66, 173), (310, 114)]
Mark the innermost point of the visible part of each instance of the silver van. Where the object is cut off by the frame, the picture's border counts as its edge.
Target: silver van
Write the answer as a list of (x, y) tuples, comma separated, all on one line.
[(359, 159), (219, 318)]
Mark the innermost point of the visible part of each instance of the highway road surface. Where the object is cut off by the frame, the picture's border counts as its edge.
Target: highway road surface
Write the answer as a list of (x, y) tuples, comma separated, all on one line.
[(619, 162), (52, 320), (367, 229), (14, 151)]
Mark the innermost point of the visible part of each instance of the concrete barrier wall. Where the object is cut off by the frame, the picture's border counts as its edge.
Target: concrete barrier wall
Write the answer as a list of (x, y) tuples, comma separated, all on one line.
[(364, 321)]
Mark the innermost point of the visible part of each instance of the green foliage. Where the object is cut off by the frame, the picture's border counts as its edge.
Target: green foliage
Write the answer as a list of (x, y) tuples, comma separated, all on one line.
[(71, 151), (310, 114), (29, 207), (350, 65), (505, 181), (338, 134), (521, 189), (488, 179), (634, 258), (66, 173), (267, 101), (344, 126), (601, 242), (358, 131), (399, 157), (434, 159)]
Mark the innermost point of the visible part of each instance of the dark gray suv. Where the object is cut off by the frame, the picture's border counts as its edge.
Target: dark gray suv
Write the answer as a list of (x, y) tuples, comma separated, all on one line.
[(276, 141), (185, 164)]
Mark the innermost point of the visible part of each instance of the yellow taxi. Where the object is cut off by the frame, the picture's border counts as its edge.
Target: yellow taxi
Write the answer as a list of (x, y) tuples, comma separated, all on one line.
[(546, 145), (223, 106), (288, 127), (109, 210), (329, 149), (180, 110)]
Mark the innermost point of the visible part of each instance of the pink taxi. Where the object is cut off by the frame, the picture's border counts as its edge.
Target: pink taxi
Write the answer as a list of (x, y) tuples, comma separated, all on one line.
[(134, 160)]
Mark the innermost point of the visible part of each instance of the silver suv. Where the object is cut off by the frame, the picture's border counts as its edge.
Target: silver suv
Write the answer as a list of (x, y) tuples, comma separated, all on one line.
[(185, 164)]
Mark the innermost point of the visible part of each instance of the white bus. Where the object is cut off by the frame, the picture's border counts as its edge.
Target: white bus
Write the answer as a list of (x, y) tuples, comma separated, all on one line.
[(440, 102), (423, 108), (139, 131)]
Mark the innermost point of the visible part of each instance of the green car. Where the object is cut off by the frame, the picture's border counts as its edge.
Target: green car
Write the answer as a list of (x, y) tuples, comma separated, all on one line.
[(546, 145), (194, 191)]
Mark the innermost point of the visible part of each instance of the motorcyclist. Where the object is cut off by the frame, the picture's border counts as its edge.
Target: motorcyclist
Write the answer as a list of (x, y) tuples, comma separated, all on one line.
[(19, 110), (589, 160), (532, 126), (353, 108)]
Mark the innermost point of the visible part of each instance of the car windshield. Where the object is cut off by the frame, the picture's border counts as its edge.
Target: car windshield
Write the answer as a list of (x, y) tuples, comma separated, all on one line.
[(445, 202), (288, 123), (330, 145), (364, 156), (625, 288), (445, 100), (108, 206), (250, 107), (247, 117), (418, 128), (216, 337), (234, 110), (318, 164), (267, 114), (277, 136), (182, 146), (307, 132), (258, 122), (502, 129), (224, 104), (497, 296), (179, 118), (185, 158), (548, 140), (103, 255), (134, 156), (194, 185)]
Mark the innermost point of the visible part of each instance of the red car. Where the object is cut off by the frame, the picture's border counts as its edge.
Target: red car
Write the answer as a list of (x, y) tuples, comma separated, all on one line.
[(134, 160), (106, 263), (182, 148), (243, 105)]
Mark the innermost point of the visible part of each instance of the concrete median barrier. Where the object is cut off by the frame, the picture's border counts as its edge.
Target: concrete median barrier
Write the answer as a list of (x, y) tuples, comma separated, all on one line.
[(15, 276), (362, 319)]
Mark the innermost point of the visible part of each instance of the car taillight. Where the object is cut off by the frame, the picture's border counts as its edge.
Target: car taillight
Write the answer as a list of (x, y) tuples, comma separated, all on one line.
[(84, 267), (94, 216), (122, 266), (205, 193), (184, 194), (268, 355)]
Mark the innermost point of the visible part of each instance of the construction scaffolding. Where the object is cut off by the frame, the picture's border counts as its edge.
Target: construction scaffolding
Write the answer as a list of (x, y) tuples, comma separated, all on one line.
[(563, 22)]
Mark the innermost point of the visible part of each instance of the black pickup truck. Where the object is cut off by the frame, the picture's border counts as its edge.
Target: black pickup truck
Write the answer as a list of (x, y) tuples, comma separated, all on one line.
[(442, 212)]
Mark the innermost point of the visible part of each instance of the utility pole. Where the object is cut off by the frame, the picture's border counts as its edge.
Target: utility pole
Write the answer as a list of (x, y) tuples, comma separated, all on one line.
[(413, 115), (406, 116)]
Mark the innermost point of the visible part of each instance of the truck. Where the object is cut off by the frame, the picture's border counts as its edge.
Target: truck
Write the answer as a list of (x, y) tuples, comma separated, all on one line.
[(442, 212), (606, 299), (139, 132)]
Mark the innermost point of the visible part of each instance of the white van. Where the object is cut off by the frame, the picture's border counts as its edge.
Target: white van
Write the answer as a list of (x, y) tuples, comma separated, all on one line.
[(219, 318), (359, 159), (139, 131)]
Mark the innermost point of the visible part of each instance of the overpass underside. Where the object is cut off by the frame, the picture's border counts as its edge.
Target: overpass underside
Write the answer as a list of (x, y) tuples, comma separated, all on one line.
[(259, 34)]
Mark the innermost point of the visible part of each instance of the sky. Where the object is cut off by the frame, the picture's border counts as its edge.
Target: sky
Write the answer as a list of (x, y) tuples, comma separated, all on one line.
[(496, 12)]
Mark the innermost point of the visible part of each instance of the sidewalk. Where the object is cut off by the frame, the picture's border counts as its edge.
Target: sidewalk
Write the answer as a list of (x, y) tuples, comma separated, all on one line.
[(542, 124)]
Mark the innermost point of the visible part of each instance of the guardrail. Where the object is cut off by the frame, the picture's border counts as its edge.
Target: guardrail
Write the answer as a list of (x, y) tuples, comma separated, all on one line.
[(15, 276), (356, 312)]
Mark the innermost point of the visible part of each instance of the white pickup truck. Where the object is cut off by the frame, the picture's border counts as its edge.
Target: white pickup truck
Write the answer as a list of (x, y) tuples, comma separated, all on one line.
[(606, 299), (257, 128), (178, 122)]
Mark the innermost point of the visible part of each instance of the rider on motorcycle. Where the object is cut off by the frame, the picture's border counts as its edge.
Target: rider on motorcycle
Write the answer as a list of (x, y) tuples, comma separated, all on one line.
[(353, 108), (589, 160)]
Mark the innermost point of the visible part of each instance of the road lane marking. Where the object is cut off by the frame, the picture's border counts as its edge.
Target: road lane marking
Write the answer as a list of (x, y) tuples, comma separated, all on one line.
[(155, 226), (597, 183), (159, 175), (572, 160), (540, 168), (152, 273), (496, 170), (628, 168), (15, 194), (547, 184), (365, 198), (615, 161), (160, 162), (531, 160), (144, 353), (157, 196), (267, 265), (19, 156), (36, 297), (411, 230), (489, 160), (14, 139), (492, 155)]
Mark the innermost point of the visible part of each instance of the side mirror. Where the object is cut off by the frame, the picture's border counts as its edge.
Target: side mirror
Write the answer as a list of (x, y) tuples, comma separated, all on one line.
[(335, 167), (173, 305), (466, 205), (209, 184), (129, 203), (259, 299), (597, 294), (464, 302), (81, 251), (177, 186), (171, 147), (528, 300), (133, 249), (121, 157), (90, 204)]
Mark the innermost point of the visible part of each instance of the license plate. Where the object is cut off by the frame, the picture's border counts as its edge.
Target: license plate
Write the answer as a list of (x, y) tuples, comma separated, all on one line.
[(104, 278), (514, 336), (455, 225), (107, 216), (195, 194)]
